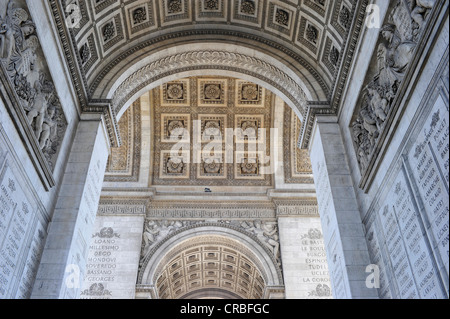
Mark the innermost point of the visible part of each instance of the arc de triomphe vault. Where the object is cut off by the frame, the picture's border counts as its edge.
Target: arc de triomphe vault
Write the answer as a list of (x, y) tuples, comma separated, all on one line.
[(224, 149)]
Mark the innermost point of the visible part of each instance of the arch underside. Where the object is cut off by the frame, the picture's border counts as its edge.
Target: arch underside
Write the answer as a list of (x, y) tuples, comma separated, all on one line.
[(233, 257), (211, 293), (303, 46), (103, 78), (129, 79), (305, 35)]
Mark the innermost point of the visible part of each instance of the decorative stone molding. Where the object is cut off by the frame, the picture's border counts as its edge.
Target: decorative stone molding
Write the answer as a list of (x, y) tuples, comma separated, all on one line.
[(297, 207), (275, 292), (145, 292), (124, 161), (346, 58), (122, 207), (210, 210), (297, 163), (75, 64), (195, 60), (346, 19), (109, 116), (290, 211)]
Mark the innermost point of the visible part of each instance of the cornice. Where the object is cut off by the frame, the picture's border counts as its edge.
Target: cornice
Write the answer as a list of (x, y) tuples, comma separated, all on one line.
[(333, 106)]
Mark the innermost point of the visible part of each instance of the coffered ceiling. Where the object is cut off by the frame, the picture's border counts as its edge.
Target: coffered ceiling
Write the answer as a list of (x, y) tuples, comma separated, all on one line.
[(213, 147), (311, 32), (300, 49), (211, 267), (207, 108)]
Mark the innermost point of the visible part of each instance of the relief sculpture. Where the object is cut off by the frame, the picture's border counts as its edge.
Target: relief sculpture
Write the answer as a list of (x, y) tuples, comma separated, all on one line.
[(24, 64), (398, 41), (155, 231)]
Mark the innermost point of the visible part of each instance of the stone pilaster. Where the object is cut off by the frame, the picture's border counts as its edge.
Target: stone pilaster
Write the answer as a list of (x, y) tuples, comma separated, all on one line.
[(64, 259), (304, 259), (344, 238)]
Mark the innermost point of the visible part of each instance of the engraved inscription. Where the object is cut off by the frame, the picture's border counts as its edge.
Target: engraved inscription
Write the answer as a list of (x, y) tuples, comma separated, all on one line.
[(101, 264), (32, 263), (429, 159), (376, 256), (15, 220), (316, 273), (411, 257)]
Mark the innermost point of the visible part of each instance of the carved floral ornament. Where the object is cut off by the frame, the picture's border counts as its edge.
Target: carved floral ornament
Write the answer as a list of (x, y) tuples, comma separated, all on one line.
[(397, 45), (193, 60)]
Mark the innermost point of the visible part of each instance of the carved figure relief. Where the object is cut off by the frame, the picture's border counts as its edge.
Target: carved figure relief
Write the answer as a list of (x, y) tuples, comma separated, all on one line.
[(155, 231), (25, 66), (267, 233), (398, 40)]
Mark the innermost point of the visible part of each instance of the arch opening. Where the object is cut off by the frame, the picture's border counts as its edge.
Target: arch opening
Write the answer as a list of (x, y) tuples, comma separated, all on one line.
[(208, 269), (123, 86), (210, 262)]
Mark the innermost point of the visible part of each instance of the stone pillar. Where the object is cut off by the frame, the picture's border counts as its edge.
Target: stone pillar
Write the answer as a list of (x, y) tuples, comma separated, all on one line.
[(114, 254), (304, 260), (345, 243), (64, 259)]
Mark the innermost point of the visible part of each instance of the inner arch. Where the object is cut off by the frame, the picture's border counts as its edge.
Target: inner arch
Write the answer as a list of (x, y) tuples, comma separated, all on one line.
[(211, 235), (212, 267), (295, 86)]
